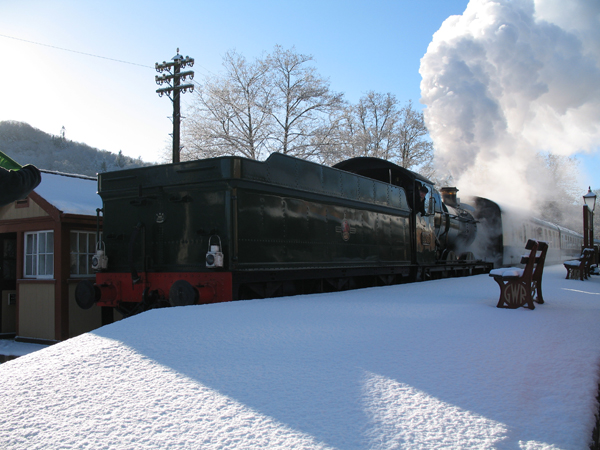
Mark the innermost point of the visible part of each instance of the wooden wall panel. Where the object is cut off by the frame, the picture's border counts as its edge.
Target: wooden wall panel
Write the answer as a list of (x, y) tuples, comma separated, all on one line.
[(36, 310)]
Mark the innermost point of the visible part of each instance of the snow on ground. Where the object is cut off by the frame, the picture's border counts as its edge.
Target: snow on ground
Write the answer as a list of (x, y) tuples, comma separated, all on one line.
[(423, 365), (12, 348)]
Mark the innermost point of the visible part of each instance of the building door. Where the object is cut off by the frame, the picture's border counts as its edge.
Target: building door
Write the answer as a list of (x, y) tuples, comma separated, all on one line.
[(8, 282)]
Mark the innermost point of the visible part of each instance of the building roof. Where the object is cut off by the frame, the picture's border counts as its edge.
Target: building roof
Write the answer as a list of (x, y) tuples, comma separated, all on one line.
[(71, 194)]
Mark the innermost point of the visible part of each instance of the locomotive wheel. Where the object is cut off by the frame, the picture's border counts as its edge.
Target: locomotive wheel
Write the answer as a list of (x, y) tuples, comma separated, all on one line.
[(86, 294), (182, 293)]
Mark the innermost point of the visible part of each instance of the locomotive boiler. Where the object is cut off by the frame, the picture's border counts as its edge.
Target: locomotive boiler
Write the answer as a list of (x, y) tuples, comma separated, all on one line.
[(231, 228)]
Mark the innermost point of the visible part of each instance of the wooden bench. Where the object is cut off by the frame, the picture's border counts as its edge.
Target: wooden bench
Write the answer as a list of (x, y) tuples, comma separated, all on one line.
[(520, 287), (580, 267)]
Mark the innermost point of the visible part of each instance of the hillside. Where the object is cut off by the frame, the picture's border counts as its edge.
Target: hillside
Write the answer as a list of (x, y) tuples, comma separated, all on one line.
[(29, 145)]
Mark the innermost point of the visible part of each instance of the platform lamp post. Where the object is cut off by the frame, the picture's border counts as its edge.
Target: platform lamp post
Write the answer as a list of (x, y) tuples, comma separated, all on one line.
[(588, 220)]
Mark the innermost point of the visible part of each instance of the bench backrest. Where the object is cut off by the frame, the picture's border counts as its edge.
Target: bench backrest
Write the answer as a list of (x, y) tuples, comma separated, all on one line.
[(540, 260), (530, 260), (534, 262)]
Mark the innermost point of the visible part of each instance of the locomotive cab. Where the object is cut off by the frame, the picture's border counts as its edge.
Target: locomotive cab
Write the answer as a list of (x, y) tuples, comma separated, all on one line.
[(441, 233)]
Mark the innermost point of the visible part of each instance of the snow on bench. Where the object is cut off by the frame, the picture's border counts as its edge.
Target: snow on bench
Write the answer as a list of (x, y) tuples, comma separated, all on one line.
[(580, 268), (520, 287)]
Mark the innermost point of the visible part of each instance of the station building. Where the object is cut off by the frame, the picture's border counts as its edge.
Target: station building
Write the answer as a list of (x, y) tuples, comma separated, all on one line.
[(47, 241)]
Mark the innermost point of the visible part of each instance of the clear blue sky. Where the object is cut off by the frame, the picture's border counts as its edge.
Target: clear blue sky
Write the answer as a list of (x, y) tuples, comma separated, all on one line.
[(358, 45)]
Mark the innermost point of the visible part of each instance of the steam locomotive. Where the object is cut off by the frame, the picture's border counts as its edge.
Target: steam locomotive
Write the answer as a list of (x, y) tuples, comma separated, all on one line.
[(231, 228)]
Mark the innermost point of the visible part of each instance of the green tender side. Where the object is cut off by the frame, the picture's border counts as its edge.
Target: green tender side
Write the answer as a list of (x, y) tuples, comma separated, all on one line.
[(282, 213), (8, 163)]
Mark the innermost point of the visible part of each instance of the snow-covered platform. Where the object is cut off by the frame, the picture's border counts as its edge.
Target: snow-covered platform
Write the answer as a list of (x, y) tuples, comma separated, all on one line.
[(9, 347), (424, 365)]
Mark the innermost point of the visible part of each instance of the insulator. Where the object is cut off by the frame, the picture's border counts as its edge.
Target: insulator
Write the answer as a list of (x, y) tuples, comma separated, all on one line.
[(185, 87), (160, 66), (166, 89)]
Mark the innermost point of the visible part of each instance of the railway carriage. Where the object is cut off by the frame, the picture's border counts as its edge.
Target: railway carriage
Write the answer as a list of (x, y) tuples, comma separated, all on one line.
[(504, 231)]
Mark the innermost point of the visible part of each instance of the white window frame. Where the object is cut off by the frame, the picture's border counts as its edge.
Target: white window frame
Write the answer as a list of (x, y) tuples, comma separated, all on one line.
[(35, 259), (89, 252)]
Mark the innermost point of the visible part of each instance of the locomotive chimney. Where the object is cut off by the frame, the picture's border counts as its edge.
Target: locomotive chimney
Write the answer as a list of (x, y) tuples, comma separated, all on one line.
[(449, 196)]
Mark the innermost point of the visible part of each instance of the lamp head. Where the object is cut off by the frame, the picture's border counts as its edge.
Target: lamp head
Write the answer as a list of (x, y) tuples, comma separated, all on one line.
[(590, 199)]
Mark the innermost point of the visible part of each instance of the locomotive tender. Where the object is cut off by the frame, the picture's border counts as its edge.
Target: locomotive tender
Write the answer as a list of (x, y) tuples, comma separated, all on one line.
[(231, 228)]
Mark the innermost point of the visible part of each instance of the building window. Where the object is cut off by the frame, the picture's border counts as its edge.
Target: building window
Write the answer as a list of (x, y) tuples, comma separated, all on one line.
[(39, 254), (83, 247)]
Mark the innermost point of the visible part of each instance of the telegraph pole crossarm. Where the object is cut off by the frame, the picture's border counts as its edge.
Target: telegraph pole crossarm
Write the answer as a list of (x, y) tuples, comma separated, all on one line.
[(173, 79)]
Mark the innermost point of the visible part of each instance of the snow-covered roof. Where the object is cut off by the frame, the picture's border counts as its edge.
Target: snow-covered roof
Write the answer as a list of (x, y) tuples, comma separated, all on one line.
[(71, 194)]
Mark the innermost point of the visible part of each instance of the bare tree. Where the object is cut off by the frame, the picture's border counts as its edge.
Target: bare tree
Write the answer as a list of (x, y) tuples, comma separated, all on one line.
[(366, 129), (277, 103), (415, 149), (376, 116), (231, 114), (560, 193), (563, 172), (280, 103), (330, 140), (378, 127), (302, 104)]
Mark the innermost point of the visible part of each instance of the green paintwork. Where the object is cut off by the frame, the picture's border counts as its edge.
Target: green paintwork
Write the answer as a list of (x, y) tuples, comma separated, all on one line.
[(279, 214), (8, 163)]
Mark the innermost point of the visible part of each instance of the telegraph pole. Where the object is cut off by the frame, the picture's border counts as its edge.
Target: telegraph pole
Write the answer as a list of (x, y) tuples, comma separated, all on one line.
[(173, 78)]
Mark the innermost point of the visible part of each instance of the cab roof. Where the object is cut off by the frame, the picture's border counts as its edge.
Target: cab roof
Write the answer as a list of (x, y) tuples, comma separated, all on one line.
[(378, 169)]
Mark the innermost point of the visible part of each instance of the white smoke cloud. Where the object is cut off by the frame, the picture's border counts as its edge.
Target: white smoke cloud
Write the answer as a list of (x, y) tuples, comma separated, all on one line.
[(506, 80)]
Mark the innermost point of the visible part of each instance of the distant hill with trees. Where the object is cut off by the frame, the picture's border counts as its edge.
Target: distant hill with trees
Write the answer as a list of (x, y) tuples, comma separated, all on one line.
[(28, 145)]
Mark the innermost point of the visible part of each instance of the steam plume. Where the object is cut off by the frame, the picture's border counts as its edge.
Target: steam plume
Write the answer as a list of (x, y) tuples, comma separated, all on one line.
[(506, 80)]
